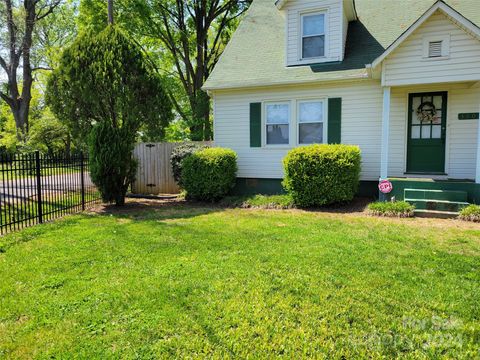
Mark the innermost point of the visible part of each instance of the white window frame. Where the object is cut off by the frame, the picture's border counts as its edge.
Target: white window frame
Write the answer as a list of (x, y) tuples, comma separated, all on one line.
[(265, 124), (325, 35), (324, 119), (444, 38)]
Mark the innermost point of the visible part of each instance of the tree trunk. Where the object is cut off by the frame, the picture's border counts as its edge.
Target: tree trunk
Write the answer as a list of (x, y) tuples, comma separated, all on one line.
[(110, 11)]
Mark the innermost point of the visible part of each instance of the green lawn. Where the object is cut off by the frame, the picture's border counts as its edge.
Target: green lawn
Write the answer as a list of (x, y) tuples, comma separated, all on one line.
[(180, 281)]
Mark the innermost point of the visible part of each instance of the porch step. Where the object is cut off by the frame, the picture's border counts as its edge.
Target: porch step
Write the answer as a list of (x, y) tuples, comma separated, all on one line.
[(436, 214), (446, 195), (437, 205)]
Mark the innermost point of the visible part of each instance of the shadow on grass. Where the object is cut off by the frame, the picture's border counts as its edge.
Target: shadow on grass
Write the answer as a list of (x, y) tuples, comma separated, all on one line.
[(144, 209), (163, 210)]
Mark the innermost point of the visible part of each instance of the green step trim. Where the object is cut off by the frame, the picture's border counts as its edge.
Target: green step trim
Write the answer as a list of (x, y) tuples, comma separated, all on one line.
[(437, 205), (450, 195), (400, 184)]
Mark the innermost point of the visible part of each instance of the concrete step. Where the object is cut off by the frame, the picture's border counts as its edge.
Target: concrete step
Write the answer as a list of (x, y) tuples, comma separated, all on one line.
[(436, 214), (438, 205), (448, 195)]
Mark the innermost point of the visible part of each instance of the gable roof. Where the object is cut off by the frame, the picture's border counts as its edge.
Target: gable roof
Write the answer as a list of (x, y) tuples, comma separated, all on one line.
[(255, 56), (450, 12)]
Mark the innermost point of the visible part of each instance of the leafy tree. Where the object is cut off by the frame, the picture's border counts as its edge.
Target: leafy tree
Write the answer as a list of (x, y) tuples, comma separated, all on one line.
[(48, 135), (18, 20), (104, 84), (194, 33), (184, 39)]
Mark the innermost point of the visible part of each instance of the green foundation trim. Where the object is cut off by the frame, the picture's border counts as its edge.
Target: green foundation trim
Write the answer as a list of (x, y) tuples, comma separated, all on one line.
[(252, 186), (470, 187)]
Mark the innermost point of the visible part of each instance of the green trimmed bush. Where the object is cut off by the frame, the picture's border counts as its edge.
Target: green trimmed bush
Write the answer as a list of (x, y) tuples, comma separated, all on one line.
[(209, 174), (391, 209), (178, 154), (112, 166), (317, 175), (470, 213)]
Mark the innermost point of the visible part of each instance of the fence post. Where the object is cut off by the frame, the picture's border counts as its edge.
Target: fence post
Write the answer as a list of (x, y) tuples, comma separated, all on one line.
[(82, 179), (39, 187)]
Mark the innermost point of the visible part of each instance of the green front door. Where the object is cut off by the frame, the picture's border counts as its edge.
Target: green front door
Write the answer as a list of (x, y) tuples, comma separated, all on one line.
[(427, 119)]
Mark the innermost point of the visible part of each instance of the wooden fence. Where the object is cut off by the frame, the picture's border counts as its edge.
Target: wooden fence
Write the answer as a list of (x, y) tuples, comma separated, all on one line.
[(154, 172)]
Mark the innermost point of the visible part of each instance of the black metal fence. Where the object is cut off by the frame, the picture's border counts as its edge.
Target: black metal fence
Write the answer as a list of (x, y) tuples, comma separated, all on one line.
[(35, 188)]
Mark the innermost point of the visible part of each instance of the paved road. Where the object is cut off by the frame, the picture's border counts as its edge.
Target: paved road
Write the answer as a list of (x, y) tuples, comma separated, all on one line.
[(27, 187)]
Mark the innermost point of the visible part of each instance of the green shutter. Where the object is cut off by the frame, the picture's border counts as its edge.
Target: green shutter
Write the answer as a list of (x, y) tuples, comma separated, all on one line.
[(334, 120), (255, 124)]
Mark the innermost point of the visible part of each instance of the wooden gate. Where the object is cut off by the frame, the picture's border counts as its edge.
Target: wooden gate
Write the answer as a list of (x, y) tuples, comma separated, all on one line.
[(154, 173)]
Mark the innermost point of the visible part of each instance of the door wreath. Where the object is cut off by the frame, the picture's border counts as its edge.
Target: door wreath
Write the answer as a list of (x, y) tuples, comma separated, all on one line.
[(426, 112)]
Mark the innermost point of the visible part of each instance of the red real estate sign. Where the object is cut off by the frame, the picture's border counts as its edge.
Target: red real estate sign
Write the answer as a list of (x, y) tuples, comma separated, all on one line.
[(385, 186)]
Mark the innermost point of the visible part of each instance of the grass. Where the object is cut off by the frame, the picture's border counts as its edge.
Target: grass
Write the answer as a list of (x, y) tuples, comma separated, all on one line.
[(177, 281), (259, 201), (470, 213), (391, 209)]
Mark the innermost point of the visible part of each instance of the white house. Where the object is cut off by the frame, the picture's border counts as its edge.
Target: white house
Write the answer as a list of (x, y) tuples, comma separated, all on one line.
[(401, 79)]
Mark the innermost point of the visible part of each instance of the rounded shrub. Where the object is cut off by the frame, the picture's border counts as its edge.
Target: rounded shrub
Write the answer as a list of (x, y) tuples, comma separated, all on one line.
[(209, 174), (178, 154), (317, 175)]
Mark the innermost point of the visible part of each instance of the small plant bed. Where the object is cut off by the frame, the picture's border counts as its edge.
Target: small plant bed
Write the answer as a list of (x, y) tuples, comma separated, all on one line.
[(470, 213), (400, 209), (259, 201)]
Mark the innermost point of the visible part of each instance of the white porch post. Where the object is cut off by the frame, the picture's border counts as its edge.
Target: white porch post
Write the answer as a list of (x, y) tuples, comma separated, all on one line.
[(477, 173), (385, 133)]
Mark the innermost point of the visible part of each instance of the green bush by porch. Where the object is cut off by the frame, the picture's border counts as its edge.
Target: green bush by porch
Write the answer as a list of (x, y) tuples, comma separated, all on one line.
[(470, 213), (319, 175), (391, 209), (209, 174)]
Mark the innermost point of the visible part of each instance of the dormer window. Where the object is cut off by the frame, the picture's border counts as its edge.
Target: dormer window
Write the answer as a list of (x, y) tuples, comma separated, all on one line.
[(313, 35)]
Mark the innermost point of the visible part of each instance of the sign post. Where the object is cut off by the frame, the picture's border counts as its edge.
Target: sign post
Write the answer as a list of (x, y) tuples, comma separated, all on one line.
[(385, 187)]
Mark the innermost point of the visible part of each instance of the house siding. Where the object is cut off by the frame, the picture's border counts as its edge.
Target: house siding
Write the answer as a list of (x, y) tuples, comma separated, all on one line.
[(461, 136), (361, 124), (335, 18), (407, 65)]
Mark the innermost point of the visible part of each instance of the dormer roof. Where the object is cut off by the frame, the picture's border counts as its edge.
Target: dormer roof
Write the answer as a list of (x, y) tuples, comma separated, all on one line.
[(348, 6)]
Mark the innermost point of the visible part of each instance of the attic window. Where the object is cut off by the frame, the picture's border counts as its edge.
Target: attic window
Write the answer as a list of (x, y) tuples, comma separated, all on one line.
[(434, 49), (313, 35)]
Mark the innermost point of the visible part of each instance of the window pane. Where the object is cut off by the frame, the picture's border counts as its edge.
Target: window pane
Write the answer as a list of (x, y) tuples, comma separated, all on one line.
[(313, 46), (437, 101), (436, 131), (437, 119), (313, 24), (311, 111), (310, 133), (277, 114), (416, 101), (415, 118), (415, 132), (277, 134), (426, 132)]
